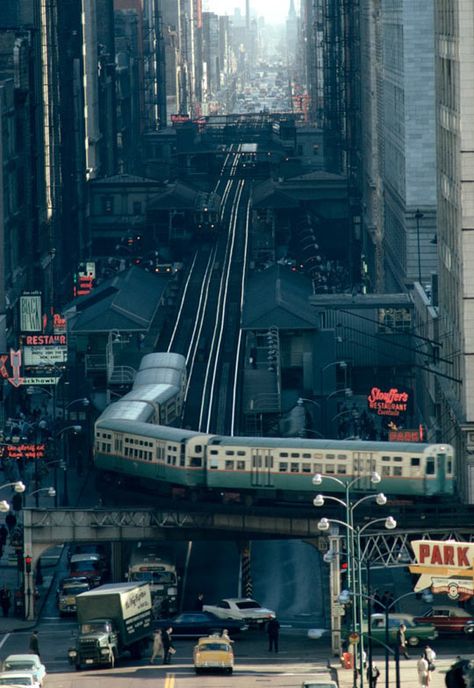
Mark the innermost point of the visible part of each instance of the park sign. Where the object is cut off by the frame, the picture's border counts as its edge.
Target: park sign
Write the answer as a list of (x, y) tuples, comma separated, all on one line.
[(445, 566)]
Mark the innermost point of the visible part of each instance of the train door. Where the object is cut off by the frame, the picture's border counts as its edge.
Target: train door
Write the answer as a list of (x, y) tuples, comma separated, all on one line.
[(261, 468), (364, 466), (441, 464)]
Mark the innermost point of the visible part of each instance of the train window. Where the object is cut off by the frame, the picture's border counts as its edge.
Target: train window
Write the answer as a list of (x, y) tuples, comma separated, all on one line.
[(213, 451), (198, 448), (196, 462), (430, 466), (330, 468), (415, 461), (317, 456), (385, 471), (229, 465), (284, 455), (257, 461), (385, 458), (241, 465), (397, 458), (317, 467), (329, 457), (268, 461), (449, 466), (295, 455), (240, 453), (295, 468), (341, 457), (305, 456), (397, 470), (229, 453), (282, 466), (306, 467), (341, 469)]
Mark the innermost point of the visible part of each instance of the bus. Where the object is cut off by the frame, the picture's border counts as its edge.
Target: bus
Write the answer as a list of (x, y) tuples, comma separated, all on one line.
[(155, 564)]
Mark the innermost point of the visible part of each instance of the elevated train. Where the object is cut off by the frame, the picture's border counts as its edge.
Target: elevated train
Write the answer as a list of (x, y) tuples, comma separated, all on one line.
[(150, 453), (207, 214)]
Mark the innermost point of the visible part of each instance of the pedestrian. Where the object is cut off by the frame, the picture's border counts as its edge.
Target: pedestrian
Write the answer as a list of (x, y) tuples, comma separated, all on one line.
[(373, 674), (10, 520), (199, 603), (168, 648), (34, 644), (402, 640), (5, 600), (430, 656), (273, 630), (3, 535), (225, 635), (157, 647), (423, 673)]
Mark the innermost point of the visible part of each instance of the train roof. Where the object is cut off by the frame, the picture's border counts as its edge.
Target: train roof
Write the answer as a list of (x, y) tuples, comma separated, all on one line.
[(326, 444), (163, 360), (155, 376), (164, 432), (131, 411), (153, 394), (248, 148)]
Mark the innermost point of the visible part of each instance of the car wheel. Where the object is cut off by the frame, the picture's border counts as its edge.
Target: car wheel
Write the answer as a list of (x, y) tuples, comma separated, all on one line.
[(413, 641), (469, 629), (198, 671), (229, 670)]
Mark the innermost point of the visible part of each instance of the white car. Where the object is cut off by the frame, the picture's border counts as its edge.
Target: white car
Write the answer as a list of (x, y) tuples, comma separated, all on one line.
[(242, 608), (26, 662), (18, 678)]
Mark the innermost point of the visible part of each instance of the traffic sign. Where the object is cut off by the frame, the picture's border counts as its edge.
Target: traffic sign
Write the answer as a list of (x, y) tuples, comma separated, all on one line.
[(35, 381)]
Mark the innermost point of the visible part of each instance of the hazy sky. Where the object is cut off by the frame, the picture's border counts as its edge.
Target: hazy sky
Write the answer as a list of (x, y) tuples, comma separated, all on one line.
[(274, 11)]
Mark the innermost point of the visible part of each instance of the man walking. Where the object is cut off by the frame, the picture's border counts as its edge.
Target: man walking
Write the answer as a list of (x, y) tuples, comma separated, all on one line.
[(5, 600), (373, 674), (34, 644), (423, 673), (168, 648), (273, 630), (402, 641), (157, 647)]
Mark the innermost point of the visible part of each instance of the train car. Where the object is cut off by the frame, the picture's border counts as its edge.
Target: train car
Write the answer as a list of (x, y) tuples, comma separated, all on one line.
[(154, 456), (248, 157), (207, 214), (281, 467)]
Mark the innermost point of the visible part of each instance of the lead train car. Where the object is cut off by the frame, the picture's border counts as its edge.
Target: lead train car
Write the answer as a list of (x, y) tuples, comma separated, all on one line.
[(255, 468)]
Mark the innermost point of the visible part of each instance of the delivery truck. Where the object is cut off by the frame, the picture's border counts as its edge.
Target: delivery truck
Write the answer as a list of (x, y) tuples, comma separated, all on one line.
[(113, 619)]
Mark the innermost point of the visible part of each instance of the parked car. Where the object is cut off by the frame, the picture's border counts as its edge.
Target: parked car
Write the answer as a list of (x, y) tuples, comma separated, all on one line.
[(414, 634), (195, 624), (318, 683), (213, 653), (30, 663), (448, 619), (18, 678), (87, 548), (243, 608)]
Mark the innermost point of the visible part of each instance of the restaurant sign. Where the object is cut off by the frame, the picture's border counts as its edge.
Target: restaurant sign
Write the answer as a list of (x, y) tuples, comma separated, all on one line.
[(445, 566), (392, 402)]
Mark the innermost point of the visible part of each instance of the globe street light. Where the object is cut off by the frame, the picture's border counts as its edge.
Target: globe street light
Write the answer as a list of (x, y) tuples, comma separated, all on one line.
[(18, 486)]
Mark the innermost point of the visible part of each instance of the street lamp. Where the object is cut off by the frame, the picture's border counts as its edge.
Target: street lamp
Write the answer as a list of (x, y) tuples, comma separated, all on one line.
[(18, 486), (50, 490), (351, 541), (69, 428), (357, 608)]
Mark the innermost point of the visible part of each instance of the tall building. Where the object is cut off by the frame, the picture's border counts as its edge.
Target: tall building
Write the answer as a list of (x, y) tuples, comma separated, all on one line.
[(291, 37), (454, 32)]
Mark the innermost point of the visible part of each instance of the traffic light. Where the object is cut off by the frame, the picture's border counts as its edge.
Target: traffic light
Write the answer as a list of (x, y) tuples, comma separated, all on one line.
[(28, 560), (17, 502), (344, 567)]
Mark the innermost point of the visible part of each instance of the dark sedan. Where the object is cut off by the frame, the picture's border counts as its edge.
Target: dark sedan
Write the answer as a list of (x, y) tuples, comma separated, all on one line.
[(195, 624)]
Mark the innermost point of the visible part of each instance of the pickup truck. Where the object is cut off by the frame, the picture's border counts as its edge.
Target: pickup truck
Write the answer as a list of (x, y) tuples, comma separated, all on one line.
[(113, 619)]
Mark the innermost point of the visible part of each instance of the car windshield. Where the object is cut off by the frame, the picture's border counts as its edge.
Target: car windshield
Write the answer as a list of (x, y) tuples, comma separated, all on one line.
[(81, 566), (208, 647), (154, 577), (21, 665), (93, 627), (16, 681), (74, 589), (248, 605)]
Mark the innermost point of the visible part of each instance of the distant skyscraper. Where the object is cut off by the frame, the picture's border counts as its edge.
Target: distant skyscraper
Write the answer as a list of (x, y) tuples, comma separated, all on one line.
[(291, 36)]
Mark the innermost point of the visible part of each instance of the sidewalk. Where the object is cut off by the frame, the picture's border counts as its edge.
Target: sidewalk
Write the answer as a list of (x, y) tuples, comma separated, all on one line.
[(9, 574), (408, 674)]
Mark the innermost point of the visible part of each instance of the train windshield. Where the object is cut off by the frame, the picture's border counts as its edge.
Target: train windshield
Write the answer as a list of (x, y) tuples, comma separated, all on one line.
[(154, 577)]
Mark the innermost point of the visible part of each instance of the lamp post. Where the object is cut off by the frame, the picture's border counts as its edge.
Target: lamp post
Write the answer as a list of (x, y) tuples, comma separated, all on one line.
[(418, 216), (301, 401), (50, 490), (18, 488), (352, 540), (75, 429)]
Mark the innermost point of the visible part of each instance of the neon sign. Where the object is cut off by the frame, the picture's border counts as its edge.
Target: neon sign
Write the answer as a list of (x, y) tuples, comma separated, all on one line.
[(391, 403)]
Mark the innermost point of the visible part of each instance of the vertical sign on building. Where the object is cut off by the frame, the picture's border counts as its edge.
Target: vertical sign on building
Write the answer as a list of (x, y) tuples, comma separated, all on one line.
[(30, 313)]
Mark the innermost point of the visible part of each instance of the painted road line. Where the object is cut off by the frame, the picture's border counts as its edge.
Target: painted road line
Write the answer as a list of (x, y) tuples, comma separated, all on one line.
[(170, 681), (4, 639)]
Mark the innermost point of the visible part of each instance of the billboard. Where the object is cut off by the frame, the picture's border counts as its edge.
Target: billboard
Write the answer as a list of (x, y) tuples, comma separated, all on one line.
[(445, 566), (30, 312), (392, 402)]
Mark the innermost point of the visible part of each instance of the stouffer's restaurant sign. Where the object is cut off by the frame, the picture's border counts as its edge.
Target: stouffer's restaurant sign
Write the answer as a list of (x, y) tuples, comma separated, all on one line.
[(444, 566), (391, 403)]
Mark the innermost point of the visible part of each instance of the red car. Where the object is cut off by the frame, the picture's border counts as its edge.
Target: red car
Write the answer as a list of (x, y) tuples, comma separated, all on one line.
[(448, 619)]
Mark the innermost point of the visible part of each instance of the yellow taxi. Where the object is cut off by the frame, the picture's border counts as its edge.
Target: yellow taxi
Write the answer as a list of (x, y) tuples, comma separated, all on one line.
[(213, 653)]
